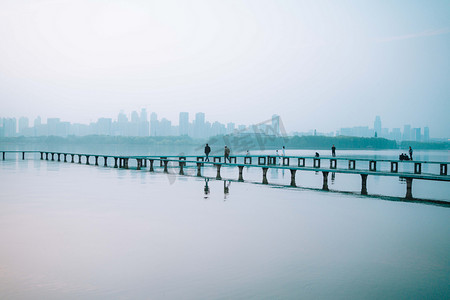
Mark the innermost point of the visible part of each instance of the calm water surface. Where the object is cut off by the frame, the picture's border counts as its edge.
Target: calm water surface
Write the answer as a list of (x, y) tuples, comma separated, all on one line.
[(72, 231)]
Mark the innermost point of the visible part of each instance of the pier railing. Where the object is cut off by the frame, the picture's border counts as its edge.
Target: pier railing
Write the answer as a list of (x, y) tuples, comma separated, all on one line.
[(346, 165)]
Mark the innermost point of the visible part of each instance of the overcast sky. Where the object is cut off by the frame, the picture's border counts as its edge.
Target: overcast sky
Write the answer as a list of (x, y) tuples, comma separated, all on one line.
[(318, 64)]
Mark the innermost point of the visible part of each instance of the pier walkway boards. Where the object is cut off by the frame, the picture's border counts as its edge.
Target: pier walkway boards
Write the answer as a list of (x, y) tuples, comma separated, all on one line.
[(408, 170)]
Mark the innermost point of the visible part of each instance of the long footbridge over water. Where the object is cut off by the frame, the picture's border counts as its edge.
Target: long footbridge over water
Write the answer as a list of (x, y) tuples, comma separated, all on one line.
[(408, 170)]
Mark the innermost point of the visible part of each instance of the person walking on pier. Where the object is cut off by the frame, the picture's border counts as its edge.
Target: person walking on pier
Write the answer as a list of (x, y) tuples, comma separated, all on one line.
[(333, 151), (227, 154), (207, 151), (410, 153)]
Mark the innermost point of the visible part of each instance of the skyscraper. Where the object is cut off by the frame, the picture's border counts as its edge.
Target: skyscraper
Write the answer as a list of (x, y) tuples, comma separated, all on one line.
[(199, 129), (154, 124), (377, 126), (426, 134), (184, 123)]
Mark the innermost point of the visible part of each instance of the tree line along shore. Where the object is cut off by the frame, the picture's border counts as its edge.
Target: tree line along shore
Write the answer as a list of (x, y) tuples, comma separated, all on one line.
[(236, 142)]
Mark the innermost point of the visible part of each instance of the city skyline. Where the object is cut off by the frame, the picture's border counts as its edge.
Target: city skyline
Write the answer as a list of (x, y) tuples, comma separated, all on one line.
[(145, 123)]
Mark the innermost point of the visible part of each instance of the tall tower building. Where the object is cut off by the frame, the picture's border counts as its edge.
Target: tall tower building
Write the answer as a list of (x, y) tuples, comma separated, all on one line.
[(183, 126), (199, 129), (377, 126)]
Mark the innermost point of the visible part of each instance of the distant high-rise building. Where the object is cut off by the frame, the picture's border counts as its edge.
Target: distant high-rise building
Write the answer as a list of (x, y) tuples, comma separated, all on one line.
[(183, 125), (154, 124), (417, 134), (143, 117), (144, 125), (426, 134), (23, 125), (199, 129), (407, 133), (230, 127), (9, 127), (134, 117), (377, 126)]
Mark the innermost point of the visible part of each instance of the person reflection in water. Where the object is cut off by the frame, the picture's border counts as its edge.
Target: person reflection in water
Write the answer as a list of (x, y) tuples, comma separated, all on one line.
[(226, 189), (206, 189)]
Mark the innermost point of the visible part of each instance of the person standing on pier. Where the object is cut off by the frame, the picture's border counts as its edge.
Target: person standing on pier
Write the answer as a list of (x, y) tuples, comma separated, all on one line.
[(410, 153), (207, 151), (227, 154), (333, 151)]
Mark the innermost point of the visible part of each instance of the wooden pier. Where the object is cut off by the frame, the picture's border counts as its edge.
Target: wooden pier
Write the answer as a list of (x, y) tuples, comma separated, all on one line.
[(325, 165)]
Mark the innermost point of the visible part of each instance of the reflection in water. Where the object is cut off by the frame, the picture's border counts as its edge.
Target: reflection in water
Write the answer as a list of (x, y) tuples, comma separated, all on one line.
[(206, 189), (333, 177), (226, 188)]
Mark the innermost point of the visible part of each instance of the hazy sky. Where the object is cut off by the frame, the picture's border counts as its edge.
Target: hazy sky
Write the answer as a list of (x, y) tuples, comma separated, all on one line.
[(318, 64)]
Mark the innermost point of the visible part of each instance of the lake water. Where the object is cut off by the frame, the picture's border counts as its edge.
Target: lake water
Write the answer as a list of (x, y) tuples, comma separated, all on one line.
[(73, 231)]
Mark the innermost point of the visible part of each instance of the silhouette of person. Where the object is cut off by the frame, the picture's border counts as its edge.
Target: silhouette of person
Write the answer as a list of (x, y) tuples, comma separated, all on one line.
[(410, 153), (207, 151), (248, 153), (284, 151), (333, 151), (227, 154)]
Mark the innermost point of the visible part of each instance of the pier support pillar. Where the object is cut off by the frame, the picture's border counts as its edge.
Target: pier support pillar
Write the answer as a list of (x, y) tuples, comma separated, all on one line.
[(59, 156), (409, 188), (199, 169), (87, 160), (42, 155), (65, 157), (325, 181), (363, 184), (105, 158), (218, 177), (241, 169), (73, 155), (46, 155), (151, 165), (264, 181), (138, 163), (3, 155), (144, 163), (115, 162), (23, 155), (79, 158), (120, 163), (96, 160), (53, 156), (165, 162), (293, 171), (125, 162)]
